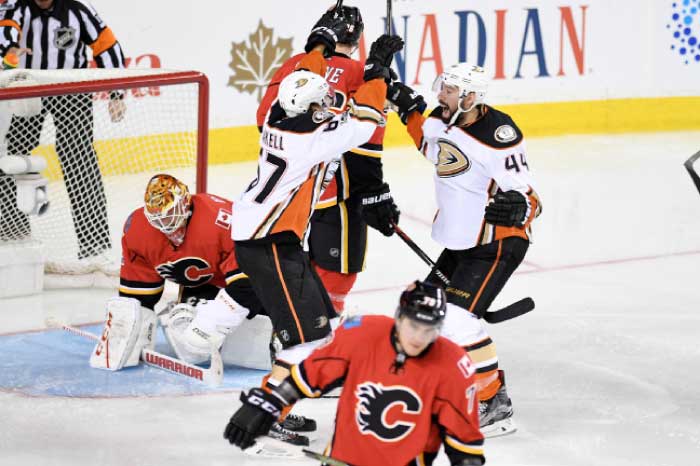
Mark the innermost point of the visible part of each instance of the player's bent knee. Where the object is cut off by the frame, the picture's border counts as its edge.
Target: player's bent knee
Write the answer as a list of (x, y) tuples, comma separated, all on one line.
[(462, 327), (297, 353)]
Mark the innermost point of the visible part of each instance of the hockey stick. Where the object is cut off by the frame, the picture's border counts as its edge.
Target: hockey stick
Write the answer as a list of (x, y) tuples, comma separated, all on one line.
[(511, 311), (323, 458), (213, 376), (387, 26), (426, 258), (691, 170)]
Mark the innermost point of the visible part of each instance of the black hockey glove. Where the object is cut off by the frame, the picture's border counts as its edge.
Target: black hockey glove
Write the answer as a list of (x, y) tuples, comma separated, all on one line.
[(326, 32), (254, 418), (406, 99), (507, 209), (381, 54), (379, 210)]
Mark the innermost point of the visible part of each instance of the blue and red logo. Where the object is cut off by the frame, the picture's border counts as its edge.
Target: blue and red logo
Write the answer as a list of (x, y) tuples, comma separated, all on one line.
[(685, 27)]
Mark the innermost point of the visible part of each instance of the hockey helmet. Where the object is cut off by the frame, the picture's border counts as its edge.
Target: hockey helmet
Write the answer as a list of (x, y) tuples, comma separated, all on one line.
[(167, 203), (423, 302), (352, 18), (300, 89), (467, 78)]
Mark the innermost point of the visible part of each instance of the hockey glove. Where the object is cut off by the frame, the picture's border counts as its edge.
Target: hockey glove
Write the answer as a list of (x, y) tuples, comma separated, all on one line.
[(326, 32), (379, 210), (507, 209), (381, 53), (254, 418), (406, 99)]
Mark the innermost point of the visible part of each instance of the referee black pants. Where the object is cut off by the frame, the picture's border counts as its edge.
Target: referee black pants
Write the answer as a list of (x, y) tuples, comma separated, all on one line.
[(73, 121)]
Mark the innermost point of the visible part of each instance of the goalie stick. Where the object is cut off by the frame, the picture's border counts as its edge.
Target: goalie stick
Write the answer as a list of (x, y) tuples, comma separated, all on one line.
[(511, 311), (691, 169), (212, 376)]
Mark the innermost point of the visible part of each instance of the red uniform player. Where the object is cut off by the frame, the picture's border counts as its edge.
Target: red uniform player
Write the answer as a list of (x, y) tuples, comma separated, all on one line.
[(403, 388)]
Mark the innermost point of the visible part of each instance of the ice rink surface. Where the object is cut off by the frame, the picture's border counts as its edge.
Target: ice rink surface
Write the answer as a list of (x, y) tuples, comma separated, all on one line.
[(604, 372)]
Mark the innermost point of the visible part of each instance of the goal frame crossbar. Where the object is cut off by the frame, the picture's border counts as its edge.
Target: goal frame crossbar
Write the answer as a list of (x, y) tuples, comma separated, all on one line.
[(132, 82)]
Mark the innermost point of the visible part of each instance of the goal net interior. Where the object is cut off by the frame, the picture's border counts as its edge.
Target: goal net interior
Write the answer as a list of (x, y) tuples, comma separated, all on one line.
[(103, 134)]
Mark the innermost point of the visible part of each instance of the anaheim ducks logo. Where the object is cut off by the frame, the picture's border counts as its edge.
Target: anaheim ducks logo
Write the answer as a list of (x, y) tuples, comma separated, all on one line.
[(372, 412), (451, 160), (301, 82), (187, 271)]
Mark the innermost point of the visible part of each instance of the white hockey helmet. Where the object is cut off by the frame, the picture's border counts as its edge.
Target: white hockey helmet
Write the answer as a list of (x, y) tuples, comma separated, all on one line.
[(302, 88), (467, 77)]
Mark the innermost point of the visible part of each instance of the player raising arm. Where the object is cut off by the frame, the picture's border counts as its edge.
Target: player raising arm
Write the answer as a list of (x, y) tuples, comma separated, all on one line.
[(338, 228), (403, 386), (486, 204)]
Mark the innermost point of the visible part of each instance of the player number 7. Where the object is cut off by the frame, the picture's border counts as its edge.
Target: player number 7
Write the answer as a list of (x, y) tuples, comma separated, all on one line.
[(280, 166)]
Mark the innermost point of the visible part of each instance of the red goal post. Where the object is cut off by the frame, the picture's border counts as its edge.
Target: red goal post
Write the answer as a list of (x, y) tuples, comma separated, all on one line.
[(97, 168)]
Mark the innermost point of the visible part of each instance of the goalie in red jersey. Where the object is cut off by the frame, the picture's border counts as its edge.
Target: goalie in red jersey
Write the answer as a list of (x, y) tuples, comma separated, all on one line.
[(405, 389), (185, 239)]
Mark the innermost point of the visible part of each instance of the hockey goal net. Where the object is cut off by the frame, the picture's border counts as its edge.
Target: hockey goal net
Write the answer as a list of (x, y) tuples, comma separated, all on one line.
[(103, 134)]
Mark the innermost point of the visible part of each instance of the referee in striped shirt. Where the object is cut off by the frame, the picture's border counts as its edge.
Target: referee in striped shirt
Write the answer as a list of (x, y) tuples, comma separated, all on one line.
[(55, 34)]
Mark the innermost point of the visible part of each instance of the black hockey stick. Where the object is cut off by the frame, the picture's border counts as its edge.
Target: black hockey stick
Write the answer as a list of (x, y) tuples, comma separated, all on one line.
[(691, 170), (387, 26), (511, 311), (323, 458), (426, 258)]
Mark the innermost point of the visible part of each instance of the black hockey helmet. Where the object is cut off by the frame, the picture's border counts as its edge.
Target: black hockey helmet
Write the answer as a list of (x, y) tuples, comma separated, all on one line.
[(423, 302), (353, 20)]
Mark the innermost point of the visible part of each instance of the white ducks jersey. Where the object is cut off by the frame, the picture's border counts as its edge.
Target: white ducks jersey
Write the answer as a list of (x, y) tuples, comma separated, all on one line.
[(471, 164)]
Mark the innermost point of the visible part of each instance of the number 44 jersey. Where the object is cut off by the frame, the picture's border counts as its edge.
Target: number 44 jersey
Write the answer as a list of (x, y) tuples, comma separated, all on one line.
[(471, 164)]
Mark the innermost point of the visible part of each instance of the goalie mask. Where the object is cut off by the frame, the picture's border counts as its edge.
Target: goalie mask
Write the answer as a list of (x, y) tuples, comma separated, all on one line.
[(467, 78), (302, 88), (168, 205)]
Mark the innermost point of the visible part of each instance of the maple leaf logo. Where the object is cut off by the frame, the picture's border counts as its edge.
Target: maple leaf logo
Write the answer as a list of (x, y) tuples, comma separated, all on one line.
[(253, 65)]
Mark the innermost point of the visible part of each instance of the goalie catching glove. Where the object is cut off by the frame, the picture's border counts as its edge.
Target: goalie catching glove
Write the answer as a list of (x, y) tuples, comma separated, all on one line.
[(379, 210), (508, 209), (129, 329)]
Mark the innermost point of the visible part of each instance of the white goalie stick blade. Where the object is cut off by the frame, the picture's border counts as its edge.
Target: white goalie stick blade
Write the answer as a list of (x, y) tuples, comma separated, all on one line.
[(212, 376), (266, 447)]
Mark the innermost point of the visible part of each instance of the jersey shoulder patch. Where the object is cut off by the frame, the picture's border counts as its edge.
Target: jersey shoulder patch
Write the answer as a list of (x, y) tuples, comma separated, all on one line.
[(495, 129)]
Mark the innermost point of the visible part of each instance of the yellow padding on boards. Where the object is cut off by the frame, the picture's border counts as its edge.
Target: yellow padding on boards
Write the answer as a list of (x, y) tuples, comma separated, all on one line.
[(240, 143)]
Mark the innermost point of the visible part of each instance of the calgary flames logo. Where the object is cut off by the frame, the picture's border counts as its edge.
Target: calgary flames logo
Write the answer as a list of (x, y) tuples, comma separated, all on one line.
[(186, 271), (374, 401)]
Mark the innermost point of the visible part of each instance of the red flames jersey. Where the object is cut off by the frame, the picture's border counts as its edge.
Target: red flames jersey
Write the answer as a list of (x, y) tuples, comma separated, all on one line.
[(205, 256), (385, 415), (345, 76)]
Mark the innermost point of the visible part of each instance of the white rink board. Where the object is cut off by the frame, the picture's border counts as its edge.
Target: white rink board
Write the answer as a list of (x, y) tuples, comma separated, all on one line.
[(624, 47)]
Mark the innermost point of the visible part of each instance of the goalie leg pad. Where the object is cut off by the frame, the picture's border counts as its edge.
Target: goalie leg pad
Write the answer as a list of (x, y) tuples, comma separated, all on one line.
[(129, 329)]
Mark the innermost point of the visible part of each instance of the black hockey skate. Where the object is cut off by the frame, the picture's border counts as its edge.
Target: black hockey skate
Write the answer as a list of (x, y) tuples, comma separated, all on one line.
[(496, 414), (298, 423), (278, 432)]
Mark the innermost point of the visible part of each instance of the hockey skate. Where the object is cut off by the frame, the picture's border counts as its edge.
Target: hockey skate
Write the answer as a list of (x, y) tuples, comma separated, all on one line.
[(298, 423), (278, 432), (496, 414)]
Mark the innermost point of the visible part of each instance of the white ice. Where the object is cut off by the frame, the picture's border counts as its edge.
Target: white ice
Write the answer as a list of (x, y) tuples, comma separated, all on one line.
[(604, 372)]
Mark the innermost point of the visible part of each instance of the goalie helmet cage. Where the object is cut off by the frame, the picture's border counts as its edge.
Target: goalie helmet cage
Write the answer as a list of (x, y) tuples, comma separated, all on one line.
[(164, 130)]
